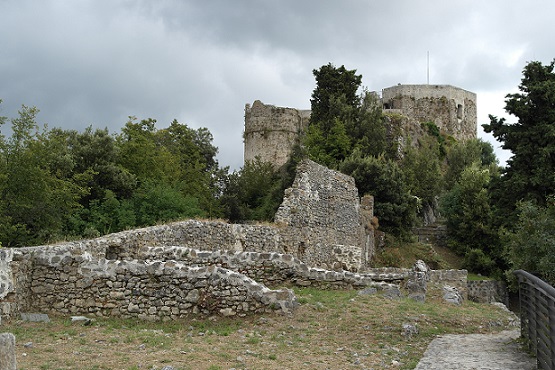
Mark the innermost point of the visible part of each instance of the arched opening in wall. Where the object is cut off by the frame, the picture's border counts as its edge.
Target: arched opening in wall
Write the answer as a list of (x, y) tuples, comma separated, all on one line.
[(459, 111)]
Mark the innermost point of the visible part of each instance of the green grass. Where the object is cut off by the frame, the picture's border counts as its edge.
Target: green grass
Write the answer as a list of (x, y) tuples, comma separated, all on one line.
[(326, 331), (476, 277), (404, 254)]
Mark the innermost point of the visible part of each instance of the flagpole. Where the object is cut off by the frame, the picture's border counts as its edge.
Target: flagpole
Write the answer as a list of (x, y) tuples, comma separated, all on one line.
[(428, 69)]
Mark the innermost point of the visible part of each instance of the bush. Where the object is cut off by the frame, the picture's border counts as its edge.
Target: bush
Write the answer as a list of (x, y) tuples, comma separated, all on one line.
[(531, 246), (477, 261)]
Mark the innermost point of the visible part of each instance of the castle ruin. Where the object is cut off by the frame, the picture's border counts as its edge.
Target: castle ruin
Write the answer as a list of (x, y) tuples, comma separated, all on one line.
[(322, 238), (452, 109), (271, 132)]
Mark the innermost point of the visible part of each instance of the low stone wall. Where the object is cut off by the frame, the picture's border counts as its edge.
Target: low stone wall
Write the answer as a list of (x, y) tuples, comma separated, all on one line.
[(148, 290), (488, 291), (163, 283), (454, 278), (269, 268), (169, 282)]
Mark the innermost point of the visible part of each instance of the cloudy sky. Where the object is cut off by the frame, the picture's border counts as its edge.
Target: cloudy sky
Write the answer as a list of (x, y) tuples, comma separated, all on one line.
[(96, 62)]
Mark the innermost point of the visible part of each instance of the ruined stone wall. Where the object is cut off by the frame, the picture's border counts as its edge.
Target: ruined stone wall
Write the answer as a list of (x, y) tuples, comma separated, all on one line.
[(454, 278), (168, 282), (321, 216), (488, 291), (271, 132), (148, 290), (272, 269), (452, 109)]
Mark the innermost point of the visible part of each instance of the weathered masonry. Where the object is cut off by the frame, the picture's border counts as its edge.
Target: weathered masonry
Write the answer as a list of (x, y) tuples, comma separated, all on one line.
[(452, 109), (271, 132), (321, 224), (322, 238)]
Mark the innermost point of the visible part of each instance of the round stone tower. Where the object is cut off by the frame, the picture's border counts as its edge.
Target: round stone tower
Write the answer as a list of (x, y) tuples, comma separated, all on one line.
[(271, 132), (452, 109)]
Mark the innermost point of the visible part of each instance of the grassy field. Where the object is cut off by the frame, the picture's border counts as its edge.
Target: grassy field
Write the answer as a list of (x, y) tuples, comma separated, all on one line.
[(330, 330)]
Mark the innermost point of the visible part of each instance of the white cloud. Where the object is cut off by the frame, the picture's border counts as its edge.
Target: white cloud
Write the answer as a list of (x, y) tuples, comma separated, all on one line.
[(96, 62)]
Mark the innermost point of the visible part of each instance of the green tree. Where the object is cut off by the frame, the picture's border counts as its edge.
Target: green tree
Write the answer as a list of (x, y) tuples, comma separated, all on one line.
[(336, 89), (195, 155), (96, 152), (176, 160), (253, 193), (470, 227), (422, 170), (39, 191), (141, 154), (328, 148), (334, 106), (466, 153), (367, 130), (530, 172), (382, 178), (160, 202), (342, 121), (531, 246)]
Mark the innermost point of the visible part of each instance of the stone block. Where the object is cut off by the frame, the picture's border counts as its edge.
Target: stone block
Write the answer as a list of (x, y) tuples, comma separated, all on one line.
[(35, 317), (7, 352)]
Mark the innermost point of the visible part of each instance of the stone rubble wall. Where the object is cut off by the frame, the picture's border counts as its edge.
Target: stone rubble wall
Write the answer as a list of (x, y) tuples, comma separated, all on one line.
[(150, 290), (321, 217), (488, 291), (164, 283), (272, 269), (454, 278)]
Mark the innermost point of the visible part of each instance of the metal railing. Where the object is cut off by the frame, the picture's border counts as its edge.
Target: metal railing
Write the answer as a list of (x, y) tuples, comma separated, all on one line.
[(537, 317)]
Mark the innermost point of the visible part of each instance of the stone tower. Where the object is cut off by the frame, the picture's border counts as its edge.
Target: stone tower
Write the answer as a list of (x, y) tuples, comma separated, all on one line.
[(452, 109), (271, 132)]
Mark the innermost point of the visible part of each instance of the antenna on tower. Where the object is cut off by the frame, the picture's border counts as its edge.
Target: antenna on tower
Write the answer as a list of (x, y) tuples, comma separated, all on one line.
[(428, 69)]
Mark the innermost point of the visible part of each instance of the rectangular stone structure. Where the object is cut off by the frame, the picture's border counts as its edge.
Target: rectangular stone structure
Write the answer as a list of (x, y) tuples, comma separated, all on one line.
[(7, 352)]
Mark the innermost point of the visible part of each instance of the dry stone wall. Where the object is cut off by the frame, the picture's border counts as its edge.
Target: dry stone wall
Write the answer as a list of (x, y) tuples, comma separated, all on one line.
[(488, 291), (157, 290), (457, 279), (166, 282), (272, 269), (322, 220)]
